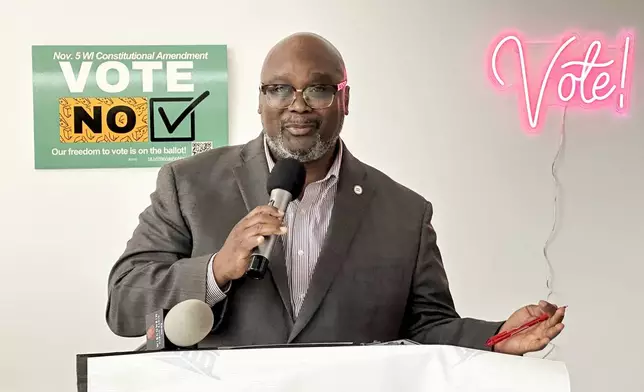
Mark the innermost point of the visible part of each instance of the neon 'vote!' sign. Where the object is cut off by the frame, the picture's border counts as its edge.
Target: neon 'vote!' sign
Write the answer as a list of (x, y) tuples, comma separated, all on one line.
[(580, 71)]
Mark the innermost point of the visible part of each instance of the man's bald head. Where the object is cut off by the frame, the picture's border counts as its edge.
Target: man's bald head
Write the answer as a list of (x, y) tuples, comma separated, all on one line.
[(304, 97), (306, 45)]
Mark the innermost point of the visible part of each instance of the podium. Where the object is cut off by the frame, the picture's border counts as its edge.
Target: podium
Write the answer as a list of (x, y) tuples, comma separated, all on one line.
[(313, 368)]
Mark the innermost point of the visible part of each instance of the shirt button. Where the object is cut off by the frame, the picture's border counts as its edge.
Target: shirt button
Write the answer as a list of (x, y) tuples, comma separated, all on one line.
[(300, 252)]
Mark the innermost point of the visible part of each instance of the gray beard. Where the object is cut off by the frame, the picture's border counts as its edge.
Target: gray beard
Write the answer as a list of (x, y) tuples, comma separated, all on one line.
[(317, 151)]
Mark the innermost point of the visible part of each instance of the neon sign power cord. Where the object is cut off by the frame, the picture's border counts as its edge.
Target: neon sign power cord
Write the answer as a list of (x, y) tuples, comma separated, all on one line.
[(555, 219)]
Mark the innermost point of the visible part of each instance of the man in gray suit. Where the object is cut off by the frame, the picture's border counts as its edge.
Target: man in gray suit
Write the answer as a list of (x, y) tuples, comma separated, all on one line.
[(357, 261)]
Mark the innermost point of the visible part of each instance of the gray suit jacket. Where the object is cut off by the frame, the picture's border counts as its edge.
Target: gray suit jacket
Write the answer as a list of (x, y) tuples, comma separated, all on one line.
[(379, 277)]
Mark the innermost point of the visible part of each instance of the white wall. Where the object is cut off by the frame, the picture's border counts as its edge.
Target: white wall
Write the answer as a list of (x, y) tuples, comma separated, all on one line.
[(422, 110)]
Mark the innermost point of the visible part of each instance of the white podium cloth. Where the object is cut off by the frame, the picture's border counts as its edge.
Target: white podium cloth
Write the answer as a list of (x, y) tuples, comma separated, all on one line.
[(408, 368)]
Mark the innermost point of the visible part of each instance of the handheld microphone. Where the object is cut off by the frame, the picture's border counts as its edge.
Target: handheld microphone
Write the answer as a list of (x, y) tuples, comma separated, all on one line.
[(285, 183), (183, 326)]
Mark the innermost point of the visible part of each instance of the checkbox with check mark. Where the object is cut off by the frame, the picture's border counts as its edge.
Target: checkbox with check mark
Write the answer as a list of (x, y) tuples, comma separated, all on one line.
[(173, 119)]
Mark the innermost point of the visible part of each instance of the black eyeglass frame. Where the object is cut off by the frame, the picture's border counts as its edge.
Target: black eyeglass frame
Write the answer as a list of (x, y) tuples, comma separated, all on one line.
[(338, 87)]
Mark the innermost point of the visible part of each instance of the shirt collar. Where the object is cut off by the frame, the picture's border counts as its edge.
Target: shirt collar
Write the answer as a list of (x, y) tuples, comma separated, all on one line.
[(334, 170)]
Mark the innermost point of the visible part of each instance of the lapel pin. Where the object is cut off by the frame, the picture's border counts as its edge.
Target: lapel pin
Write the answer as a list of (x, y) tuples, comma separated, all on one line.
[(357, 189)]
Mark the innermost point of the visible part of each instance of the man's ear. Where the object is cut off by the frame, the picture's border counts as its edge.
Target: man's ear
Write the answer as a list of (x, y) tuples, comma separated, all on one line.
[(346, 100), (259, 103)]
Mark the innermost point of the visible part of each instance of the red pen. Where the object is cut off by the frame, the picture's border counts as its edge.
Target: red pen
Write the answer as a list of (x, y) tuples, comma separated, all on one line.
[(504, 335)]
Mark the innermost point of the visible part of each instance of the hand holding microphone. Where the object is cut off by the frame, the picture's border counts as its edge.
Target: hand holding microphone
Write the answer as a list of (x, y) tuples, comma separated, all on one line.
[(231, 262), (248, 248)]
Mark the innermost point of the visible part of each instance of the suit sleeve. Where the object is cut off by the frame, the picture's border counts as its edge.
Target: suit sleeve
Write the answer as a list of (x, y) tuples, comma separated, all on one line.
[(431, 317), (157, 269)]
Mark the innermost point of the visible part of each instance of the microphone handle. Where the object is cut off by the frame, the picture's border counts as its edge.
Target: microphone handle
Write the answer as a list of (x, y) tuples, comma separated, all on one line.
[(260, 258)]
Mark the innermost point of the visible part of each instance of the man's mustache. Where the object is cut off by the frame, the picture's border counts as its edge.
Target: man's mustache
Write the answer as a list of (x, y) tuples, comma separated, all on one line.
[(301, 123)]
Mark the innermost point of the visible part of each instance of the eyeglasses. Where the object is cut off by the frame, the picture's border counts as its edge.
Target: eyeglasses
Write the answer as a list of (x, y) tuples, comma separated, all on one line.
[(318, 96)]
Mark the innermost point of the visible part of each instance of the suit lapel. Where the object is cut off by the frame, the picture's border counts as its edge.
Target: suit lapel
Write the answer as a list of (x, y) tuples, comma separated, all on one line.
[(251, 177), (350, 204)]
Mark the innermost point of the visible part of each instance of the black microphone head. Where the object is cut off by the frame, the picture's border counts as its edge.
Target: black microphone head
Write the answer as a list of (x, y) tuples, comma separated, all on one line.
[(287, 174)]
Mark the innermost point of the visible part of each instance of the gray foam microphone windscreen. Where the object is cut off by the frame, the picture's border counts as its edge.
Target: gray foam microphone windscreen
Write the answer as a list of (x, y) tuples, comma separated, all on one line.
[(188, 322)]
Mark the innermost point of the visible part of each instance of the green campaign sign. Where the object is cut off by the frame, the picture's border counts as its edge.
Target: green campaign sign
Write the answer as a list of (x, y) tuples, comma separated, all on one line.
[(127, 106)]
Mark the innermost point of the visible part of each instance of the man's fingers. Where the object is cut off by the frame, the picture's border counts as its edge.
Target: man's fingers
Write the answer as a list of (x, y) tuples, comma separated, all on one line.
[(261, 219), (249, 243), (548, 307), (553, 332), (557, 317), (265, 230), (267, 210), (254, 235)]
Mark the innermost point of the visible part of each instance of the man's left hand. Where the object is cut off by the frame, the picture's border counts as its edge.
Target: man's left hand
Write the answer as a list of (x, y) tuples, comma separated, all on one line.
[(538, 336)]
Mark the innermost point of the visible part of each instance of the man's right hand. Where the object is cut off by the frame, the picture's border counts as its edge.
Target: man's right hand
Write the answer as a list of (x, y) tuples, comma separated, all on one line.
[(231, 262)]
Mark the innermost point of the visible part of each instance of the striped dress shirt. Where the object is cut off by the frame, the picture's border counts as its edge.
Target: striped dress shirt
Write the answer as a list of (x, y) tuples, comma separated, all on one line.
[(307, 220)]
